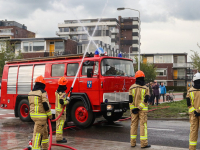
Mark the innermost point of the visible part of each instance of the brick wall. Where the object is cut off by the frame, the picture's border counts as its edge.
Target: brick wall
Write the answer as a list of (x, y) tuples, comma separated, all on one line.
[(22, 33), (70, 47), (35, 54)]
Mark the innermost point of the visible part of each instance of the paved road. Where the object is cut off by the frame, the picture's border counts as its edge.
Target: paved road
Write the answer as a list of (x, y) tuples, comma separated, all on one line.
[(164, 133)]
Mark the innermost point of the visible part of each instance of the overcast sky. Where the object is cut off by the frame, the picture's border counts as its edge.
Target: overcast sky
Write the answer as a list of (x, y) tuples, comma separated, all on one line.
[(167, 26)]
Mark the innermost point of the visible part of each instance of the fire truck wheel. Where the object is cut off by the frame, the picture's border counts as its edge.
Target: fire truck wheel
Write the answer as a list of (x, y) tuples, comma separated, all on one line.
[(113, 117), (23, 110), (80, 116)]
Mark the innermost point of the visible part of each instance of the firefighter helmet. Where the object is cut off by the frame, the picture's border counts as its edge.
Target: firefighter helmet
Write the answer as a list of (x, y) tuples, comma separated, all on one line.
[(40, 79), (196, 76), (62, 81), (139, 73)]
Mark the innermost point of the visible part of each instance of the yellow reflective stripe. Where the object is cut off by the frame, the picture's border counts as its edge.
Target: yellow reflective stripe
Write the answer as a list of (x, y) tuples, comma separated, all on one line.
[(33, 115), (132, 106), (37, 138), (36, 148), (192, 97), (193, 142), (145, 108), (142, 105), (59, 109), (145, 132), (133, 94), (133, 136), (60, 128), (45, 141), (49, 113), (142, 94), (36, 104), (58, 101), (191, 109)]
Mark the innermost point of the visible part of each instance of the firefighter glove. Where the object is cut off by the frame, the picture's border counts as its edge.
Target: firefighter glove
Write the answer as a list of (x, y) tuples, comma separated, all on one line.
[(135, 110), (196, 114), (61, 101)]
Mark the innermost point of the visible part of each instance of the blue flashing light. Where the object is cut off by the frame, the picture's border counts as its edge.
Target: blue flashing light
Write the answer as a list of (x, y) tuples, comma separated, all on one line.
[(119, 55), (96, 52)]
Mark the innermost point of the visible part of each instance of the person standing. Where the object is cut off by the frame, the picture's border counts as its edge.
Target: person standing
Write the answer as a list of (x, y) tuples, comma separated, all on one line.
[(150, 93), (193, 103), (138, 97), (61, 101), (162, 91), (39, 112), (155, 92)]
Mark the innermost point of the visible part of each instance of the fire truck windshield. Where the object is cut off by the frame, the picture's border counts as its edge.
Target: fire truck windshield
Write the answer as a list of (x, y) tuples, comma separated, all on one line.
[(117, 67)]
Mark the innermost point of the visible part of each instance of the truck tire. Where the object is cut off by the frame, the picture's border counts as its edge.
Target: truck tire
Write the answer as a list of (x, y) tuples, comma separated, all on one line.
[(23, 110), (113, 117), (80, 116)]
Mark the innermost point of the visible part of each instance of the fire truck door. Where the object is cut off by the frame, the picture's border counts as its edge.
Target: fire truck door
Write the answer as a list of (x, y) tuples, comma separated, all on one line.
[(90, 86)]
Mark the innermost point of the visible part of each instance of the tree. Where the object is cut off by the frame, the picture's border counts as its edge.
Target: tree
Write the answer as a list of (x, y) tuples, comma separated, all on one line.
[(7, 53), (195, 57), (148, 69)]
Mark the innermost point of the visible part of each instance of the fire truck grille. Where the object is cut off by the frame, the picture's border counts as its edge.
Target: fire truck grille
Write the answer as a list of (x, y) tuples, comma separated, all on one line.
[(116, 97)]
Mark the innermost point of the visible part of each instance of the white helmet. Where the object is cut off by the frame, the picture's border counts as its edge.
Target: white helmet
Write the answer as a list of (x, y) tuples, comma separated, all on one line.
[(196, 76)]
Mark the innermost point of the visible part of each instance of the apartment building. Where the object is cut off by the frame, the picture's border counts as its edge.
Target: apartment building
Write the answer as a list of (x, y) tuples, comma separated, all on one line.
[(172, 68), (43, 47), (13, 29), (121, 34), (129, 34)]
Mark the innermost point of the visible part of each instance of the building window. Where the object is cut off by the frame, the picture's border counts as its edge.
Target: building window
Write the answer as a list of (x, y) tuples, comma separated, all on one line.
[(161, 72), (66, 29), (57, 70), (180, 59), (73, 29), (72, 69), (38, 46), (150, 59), (83, 37), (25, 46), (163, 59), (59, 46), (16, 32)]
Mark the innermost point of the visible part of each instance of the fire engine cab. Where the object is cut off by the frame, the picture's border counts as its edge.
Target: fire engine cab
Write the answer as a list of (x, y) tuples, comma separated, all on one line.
[(101, 87)]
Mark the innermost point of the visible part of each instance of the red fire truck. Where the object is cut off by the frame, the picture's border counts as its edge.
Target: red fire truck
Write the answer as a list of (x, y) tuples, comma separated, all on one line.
[(101, 87)]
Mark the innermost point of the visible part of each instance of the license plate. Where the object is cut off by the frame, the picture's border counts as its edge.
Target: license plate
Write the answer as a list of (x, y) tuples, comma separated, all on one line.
[(118, 110)]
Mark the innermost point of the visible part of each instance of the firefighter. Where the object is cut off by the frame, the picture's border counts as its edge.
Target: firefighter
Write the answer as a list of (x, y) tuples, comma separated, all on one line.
[(193, 103), (61, 101), (138, 98), (39, 112)]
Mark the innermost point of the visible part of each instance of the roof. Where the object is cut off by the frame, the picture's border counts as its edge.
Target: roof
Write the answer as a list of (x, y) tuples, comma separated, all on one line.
[(36, 39), (63, 57), (102, 19)]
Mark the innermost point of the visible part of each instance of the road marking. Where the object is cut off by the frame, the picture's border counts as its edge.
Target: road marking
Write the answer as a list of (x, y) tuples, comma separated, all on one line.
[(9, 117), (161, 129), (11, 113)]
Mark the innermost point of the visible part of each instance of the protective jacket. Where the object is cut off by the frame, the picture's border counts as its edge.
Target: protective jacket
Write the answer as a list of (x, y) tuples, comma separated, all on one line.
[(39, 105), (138, 94), (59, 96)]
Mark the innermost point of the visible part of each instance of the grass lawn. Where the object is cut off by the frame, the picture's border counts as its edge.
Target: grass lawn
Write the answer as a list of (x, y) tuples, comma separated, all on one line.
[(176, 110)]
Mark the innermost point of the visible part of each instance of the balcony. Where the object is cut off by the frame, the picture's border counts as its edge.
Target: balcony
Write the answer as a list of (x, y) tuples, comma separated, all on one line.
[(179, 65), (179, 77), (129, 27), (6, 33), (116, 31), (129, 42)]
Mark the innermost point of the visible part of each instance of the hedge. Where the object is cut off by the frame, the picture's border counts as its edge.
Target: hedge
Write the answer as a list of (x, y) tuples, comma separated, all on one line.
[(176, 88)]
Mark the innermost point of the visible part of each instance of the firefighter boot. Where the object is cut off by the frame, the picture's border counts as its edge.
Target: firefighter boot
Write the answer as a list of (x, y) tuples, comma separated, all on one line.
[(62, 141), (148, 146)]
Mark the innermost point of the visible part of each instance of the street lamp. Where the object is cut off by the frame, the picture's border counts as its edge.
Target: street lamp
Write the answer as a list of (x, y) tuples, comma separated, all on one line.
[(122, 8), (129, 52)]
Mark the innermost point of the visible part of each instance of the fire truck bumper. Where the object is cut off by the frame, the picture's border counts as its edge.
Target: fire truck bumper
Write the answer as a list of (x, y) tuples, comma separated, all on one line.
[(115, 107)]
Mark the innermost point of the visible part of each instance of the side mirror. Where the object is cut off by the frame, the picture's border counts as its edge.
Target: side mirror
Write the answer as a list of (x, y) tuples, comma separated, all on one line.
[(89, 73)]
